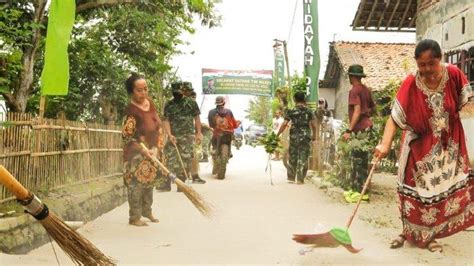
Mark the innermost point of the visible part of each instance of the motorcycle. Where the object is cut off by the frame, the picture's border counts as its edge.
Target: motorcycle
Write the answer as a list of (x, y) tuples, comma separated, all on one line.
[(221, 154), (238, 141)]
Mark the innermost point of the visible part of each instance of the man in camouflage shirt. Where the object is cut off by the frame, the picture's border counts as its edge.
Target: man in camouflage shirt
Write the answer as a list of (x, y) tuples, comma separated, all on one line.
[(302, 132), (183, 127), (189, 92)]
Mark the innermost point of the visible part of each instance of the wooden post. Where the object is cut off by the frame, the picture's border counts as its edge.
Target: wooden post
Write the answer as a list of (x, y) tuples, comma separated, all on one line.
[(41, 107), (287, 66), (319, 157), (37, 148)]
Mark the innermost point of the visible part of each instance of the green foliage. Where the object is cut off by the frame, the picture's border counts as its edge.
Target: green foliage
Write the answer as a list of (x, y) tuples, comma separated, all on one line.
[(258, 110), (361, 141), (298, 83), (16, 31), (108, 42), (384, 100), (271, 143), (275, 105), (284, 96), (364, 141)]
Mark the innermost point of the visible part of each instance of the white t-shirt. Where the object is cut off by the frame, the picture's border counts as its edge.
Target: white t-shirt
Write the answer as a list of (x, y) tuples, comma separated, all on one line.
[(277, 122)]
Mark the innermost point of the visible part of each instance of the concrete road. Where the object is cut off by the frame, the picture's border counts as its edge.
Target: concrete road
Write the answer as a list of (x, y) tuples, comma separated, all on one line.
[(254, 225)]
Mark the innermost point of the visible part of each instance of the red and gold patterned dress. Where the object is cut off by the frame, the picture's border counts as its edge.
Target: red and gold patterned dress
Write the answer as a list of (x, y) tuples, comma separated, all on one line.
[(435, 189), (140, 126)]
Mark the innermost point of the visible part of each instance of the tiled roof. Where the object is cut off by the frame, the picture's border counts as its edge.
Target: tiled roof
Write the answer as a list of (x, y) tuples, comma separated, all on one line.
[(382, 62)]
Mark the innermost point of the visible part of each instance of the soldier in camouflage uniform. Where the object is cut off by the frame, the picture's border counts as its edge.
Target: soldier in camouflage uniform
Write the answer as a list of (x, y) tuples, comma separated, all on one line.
[(201, 149), (302, 131), (195, 165), (206, 143), (183, 127)]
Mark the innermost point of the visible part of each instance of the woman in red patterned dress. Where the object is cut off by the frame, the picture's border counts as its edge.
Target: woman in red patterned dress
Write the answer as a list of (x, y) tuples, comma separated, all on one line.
[(435, 189), (141, 125)]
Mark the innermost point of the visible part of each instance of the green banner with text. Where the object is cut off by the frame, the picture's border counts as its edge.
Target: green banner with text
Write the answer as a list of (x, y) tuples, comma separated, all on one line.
[(216, 81), (279, 72), (311, 49)]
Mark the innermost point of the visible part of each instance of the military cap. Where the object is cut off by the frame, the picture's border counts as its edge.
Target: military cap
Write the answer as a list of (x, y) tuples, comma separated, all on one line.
[(176, 86), (188, 86)]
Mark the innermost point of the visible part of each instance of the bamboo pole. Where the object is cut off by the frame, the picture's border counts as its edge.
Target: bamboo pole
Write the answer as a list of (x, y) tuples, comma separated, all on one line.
[(42, 106)]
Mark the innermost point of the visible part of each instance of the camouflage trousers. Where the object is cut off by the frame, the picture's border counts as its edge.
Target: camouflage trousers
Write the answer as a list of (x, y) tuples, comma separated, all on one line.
[(140, 199), (204, 148), (359, 169), (185, 146), (298, 161)]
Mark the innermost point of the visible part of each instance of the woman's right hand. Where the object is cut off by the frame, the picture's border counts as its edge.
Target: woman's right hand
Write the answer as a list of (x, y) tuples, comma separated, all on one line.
[(381, 151)]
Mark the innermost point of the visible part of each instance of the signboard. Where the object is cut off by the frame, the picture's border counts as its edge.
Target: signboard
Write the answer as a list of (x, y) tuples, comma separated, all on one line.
[(311, 49), (279, 73), (217, 81)]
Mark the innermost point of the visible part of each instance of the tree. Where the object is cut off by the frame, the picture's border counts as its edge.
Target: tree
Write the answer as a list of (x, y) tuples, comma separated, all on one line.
[(23, 24), (259, 110)]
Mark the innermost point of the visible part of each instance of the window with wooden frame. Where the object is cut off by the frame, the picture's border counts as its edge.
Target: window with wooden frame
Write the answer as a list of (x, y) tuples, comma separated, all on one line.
[(464, 60)]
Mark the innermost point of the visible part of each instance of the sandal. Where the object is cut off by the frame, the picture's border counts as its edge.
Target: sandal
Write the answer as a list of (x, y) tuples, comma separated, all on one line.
[(398, 242), (434, 246)]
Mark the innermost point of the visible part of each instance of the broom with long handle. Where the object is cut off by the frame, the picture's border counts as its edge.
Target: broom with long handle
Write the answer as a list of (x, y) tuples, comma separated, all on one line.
[(337, 236), (197, 200), (181, 161), (79, 249)]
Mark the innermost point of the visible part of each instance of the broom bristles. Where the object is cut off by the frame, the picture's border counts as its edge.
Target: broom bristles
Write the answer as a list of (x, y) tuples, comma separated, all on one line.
[(317, 240), (204, 207), (324, 240), (78, 248)]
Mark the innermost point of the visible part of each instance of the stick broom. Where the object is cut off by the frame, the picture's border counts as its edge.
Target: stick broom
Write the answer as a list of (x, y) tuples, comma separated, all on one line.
[(337, 236), (79, 249), (196, 199)]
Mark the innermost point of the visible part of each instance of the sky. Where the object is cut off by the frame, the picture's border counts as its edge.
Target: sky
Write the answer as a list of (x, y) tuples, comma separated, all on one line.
[(245, 39)]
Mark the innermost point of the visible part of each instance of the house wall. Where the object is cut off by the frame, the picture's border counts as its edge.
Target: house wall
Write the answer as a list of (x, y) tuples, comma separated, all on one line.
[(443, 22), (342, 96), (330, 95)]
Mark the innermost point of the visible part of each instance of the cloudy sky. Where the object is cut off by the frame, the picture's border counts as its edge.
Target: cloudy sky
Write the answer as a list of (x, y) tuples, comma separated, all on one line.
[(245, 39)]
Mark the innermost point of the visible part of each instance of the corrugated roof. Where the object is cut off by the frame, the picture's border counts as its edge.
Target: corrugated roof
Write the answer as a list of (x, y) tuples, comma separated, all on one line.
[(382, 62)]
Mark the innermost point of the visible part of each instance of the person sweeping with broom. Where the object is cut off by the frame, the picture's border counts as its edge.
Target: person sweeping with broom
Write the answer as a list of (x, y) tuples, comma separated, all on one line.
[(141, 125), (435, 182), (183, 127), (141, 133), (435, 188)]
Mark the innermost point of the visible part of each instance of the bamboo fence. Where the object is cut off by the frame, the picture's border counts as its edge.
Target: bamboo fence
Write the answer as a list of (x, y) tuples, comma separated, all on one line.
[(50, 153), (323, 150)]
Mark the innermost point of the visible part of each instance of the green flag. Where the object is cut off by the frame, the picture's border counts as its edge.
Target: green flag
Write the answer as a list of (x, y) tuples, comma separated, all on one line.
[(311, 49), (55, 76)]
